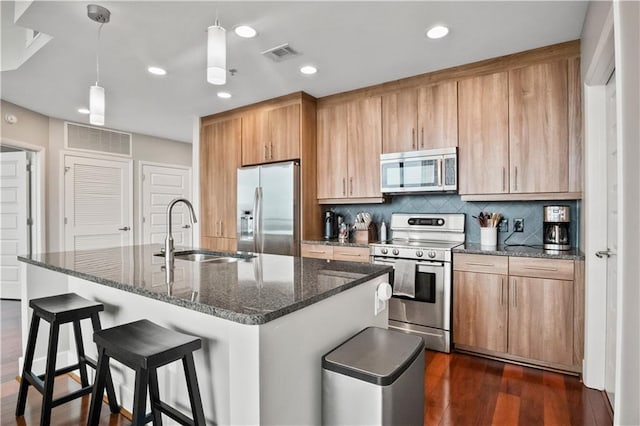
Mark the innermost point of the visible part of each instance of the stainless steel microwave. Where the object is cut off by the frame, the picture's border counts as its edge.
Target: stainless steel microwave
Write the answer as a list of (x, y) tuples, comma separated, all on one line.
[(419, 171)]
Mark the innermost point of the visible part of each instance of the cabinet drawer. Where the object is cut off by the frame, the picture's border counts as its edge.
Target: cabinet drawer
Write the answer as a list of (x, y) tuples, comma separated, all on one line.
[(556, 269), (351, 254), (318, 251), (481, 263)]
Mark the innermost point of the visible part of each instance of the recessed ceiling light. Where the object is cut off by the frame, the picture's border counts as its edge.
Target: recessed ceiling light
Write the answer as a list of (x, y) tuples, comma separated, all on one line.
[(83, 111), (224, 95), (245, 31), (308, 69), (437, 31), (156, 71)]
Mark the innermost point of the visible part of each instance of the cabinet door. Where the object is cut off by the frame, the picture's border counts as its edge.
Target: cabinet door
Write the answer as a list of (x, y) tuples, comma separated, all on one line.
[(255, 137), (332, 152), (483, 152), (399, 117), (365, 146), (538, 127), (211, 211), (541, 319), (480, 310), (218, 244), (438, 116), (284, 130), (226, 188)]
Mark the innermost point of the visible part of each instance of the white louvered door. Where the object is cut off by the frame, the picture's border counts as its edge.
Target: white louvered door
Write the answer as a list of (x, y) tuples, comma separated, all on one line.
[(98, 203), (13, 221)]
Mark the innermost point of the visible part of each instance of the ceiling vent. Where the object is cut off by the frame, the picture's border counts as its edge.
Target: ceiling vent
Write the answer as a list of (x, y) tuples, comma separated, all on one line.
[(280, 53), (97, 139)]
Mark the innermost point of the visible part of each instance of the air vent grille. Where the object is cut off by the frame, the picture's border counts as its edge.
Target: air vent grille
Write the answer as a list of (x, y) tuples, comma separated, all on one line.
[(280, 53), (96, 139)]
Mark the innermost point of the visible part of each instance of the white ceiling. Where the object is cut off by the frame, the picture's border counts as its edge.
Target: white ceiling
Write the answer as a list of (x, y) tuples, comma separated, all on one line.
[(353, 44)]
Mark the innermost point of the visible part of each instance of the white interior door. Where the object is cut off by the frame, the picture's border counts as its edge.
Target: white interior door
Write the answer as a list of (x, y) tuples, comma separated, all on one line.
[(160, 185), (97, 203), (14, 235), (612, 240)]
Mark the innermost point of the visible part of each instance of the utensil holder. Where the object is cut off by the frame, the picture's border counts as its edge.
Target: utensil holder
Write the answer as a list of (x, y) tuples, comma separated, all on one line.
[(365, 235), (489, 237)]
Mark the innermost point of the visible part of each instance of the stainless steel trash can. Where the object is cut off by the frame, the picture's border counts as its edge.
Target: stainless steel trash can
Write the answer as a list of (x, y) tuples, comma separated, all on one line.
[(374, 378)]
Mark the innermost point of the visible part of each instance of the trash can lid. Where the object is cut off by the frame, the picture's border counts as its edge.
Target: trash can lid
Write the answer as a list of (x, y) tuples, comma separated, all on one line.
[(375, 355)]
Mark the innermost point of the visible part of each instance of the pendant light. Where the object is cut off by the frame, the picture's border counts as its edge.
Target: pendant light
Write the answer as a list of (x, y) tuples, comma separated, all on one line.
[(216, 54), (100, 15)]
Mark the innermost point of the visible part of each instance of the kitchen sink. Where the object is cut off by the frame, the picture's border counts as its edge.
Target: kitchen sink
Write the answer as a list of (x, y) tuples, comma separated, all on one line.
[(204, 256)]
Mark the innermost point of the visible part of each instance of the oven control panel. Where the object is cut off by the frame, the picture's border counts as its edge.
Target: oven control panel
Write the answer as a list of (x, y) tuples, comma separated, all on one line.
[(399, 252)]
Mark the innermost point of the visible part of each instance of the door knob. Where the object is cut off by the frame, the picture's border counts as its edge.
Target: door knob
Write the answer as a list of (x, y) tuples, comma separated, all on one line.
[(603, 253), (126, 228), (187, 226)]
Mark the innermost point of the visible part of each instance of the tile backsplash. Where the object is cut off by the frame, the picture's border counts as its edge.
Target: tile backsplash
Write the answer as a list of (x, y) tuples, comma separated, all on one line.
[(530, 211)]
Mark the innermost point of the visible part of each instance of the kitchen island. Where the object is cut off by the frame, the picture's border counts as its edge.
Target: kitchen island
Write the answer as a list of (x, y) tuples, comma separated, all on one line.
[(265, 322)]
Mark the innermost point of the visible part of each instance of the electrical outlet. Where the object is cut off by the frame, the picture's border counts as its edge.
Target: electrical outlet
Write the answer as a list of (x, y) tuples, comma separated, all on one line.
[(518, 225), (503, 226)]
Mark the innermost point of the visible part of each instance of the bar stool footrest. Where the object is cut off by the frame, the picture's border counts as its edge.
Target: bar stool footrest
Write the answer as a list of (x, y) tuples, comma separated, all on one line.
[(173, 413), (75, 394)]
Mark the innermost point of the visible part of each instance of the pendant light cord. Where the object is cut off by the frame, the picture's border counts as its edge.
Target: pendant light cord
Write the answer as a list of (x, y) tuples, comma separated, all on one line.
[(98, 55)]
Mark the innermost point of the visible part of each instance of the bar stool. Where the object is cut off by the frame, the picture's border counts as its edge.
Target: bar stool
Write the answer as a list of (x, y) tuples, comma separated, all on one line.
[(59, 310), (144, 346)]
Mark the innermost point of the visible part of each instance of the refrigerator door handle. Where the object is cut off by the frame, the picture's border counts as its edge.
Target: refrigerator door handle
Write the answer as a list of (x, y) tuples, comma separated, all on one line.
[(257, 220)]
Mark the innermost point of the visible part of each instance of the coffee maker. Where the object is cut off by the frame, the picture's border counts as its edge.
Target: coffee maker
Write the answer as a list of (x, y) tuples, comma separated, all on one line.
[(330, 226), (556, 228)]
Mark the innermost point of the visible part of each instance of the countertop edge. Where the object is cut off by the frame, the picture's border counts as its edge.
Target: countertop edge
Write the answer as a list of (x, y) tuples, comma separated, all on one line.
[(516, 251), (247, 319)]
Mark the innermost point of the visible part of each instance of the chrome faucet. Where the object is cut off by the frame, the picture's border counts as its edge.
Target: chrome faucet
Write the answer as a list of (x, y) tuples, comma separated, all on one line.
[(168, 242)]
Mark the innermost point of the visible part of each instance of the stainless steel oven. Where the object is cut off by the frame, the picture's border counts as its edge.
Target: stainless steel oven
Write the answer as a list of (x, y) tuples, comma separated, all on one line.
[(426, 269)]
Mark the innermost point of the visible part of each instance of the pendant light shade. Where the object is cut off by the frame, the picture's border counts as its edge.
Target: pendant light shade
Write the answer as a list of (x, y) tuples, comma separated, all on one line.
[(96, 105), (216, 54)]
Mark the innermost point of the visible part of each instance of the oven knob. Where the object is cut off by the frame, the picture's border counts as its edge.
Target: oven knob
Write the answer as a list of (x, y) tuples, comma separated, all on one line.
[(396, 252), (384, 251), (419, 253), (431, 254)]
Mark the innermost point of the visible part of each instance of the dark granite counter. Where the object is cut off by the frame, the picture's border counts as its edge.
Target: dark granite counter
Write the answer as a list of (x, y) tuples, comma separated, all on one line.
[(336, 243), (520, 251), (253, 290)]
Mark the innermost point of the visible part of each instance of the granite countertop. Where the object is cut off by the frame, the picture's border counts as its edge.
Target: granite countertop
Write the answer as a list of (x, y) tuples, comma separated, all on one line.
[(520, 251), (254, 290), (335, 242)]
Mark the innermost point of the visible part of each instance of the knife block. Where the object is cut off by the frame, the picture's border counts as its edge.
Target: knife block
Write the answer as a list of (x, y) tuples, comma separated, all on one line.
[(365, 236)]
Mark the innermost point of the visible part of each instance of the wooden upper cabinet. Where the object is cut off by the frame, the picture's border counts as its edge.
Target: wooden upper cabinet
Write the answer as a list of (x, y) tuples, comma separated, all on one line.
[(220, 157), (332, 151), (284, 131), (364, 148), (438, 116), (483, 117), (255, 137), (538, 128), (399, 121)]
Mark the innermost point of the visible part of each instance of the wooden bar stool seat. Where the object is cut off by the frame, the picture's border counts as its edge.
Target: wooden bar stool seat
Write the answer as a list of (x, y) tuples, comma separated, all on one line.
[(57, 310), (144, 346)]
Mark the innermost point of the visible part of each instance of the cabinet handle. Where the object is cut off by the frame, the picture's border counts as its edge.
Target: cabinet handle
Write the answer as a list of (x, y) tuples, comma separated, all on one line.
[(316, 251), (503, 171), (413, 138), (271, 150), (480, 264), (349, 254), (422, 137), (541, 268), (266, 151), (350, 186), (344, 186), (516, 179), (515, 294), (501, 291)]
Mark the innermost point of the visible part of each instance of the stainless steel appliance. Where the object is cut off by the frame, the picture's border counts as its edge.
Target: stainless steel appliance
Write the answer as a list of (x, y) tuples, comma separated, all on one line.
[(420, 252), (556, 221), (268, 209), (330, 229), (419, 171)]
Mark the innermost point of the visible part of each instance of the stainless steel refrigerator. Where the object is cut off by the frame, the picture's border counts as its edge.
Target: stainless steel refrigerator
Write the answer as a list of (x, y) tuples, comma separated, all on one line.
[(268, 209)]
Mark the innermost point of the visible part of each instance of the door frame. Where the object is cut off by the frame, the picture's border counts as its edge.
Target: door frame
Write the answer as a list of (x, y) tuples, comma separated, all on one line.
[(140, 234), (38, 192), (61, 189)]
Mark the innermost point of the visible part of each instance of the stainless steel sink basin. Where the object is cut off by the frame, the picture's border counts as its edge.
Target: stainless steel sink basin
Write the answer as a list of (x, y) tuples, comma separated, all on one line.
[(208, 258), (204, 256)]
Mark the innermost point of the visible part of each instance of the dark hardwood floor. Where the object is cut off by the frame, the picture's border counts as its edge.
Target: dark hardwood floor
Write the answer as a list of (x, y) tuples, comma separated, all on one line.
[(460, 390)]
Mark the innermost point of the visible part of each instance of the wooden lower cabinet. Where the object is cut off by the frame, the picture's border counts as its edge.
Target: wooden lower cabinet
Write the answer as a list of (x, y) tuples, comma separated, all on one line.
[(480, 310), (219, 244), (523, 318), (324, 251)]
